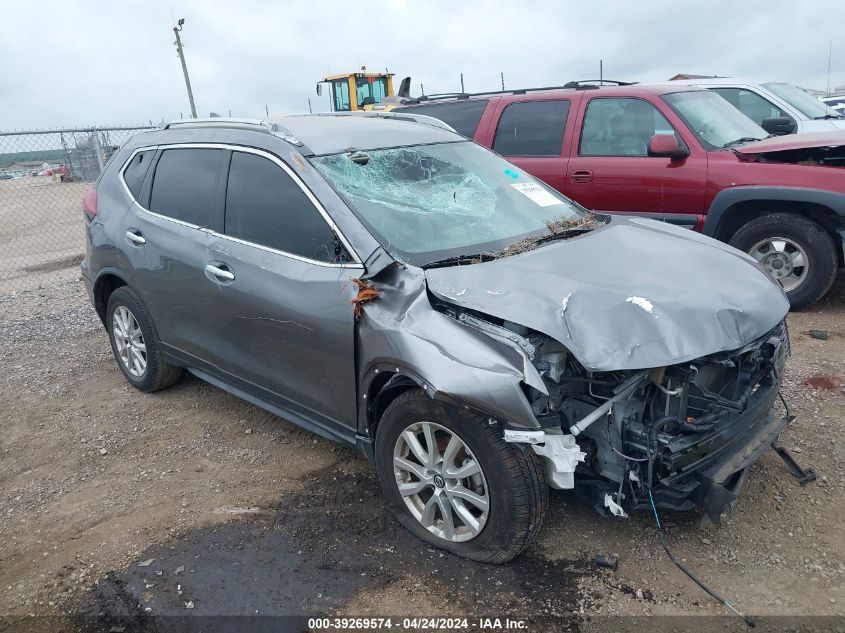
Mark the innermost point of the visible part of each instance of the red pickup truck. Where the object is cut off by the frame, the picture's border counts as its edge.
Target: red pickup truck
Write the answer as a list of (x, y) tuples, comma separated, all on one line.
[(679, 154)]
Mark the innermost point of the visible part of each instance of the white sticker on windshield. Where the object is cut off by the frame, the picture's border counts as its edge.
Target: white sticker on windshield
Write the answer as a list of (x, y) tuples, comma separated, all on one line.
[(538, 195)]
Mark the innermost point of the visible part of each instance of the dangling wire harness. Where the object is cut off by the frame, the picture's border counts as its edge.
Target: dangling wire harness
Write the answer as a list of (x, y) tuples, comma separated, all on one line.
[(662, 538)]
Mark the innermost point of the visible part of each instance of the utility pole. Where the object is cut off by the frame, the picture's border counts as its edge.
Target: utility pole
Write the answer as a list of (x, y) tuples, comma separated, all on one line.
[(829, 56), (462, 83), (181, 54), (503, 81), (310, 111)]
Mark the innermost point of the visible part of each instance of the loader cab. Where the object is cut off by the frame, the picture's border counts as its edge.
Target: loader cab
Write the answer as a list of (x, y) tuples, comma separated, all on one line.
[(352, 92)]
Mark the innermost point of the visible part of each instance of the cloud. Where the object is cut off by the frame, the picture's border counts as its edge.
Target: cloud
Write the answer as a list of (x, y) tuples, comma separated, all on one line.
[(94, 62)]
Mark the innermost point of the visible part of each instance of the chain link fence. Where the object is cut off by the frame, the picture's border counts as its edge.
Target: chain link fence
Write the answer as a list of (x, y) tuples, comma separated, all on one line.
[(43, 176)]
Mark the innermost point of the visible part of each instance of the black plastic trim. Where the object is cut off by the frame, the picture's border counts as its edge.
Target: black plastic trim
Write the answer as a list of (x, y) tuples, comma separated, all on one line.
[(725, 199)]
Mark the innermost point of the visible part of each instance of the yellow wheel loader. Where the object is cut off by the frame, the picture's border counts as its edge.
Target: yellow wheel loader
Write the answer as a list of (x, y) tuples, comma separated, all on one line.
[(352, 92)]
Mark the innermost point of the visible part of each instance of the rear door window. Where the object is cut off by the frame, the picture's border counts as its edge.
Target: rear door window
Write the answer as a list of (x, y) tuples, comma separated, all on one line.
[(462, 115), (531, 128), (265, 206), (136, 170), (185, 184)]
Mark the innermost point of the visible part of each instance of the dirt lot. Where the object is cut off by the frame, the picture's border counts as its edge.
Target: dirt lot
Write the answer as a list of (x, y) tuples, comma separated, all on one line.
[(243, 513), (27, 205)]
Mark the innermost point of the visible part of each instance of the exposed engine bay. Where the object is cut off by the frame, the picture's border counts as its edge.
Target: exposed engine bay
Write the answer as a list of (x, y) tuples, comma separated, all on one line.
[(824, 156), (686, 432)]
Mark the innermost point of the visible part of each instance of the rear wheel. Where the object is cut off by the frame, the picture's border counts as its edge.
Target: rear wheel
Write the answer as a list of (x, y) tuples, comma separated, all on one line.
[(135, 343), (794, 250), (455, 483)]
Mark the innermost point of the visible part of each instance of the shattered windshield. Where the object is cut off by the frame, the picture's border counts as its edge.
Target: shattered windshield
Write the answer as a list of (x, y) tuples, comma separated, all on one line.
[(432, 202), (716, 123)]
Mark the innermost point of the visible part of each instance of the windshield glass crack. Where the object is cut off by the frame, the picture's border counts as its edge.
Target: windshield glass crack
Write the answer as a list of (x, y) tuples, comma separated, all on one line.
[(427, 203)]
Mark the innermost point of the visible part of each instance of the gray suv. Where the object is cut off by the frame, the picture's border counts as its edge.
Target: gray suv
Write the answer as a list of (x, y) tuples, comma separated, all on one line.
[(387, 283)]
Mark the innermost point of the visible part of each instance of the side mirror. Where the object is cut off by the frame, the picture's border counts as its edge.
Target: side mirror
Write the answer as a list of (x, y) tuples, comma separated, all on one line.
[(667, 146), (779, 125), (319, 90)]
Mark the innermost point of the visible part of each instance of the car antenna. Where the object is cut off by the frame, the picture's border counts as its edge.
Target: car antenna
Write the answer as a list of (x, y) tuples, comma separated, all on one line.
[(661, 536)]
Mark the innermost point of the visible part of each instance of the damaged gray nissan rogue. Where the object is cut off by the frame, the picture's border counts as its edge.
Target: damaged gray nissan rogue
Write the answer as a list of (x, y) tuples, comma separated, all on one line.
[(391, 285)]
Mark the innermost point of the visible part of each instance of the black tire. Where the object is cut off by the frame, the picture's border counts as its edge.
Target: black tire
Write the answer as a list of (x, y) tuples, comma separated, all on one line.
[(812, 238), (516, 482), (158, 373)]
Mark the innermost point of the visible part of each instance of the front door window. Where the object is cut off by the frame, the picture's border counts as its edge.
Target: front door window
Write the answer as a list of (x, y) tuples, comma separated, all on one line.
[(750, 104), (621, 127)]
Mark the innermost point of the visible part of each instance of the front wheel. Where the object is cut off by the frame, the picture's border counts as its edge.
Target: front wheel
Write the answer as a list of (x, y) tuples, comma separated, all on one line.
[(795, 251), (455, 483)]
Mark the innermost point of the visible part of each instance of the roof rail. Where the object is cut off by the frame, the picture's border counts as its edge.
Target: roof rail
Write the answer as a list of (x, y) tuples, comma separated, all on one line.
[(571, 85), (217, 121), (256, 125), (399, 116), (595, 83), (487, 93)]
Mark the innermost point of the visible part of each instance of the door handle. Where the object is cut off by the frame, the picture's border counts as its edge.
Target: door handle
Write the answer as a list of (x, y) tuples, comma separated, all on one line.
[(581, 175), (220, 272), (135, 237)]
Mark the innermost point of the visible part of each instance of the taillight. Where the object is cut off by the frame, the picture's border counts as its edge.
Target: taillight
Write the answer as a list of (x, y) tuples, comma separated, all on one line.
[(89, 203)]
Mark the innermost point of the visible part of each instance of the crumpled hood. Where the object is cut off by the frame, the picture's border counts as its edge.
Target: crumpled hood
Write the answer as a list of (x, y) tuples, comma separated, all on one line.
[(834, 138), (634, 294)]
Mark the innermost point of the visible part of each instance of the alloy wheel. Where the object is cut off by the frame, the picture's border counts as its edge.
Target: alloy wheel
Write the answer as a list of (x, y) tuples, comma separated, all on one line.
[(784, 259), (129, 341), (441, 482)]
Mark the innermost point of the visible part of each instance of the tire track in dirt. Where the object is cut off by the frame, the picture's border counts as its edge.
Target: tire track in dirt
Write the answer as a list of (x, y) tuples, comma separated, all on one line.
[(313, 553)]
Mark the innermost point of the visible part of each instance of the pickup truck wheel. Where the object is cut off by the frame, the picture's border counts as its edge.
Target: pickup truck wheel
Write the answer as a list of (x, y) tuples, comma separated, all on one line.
[(454, 482), (794, 250)]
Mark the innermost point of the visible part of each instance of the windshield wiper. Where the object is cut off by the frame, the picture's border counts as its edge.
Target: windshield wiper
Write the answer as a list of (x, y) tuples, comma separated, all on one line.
[(460, 259), (561, 234), (743, 139), (828, 116), (514, 249), (521, 246)]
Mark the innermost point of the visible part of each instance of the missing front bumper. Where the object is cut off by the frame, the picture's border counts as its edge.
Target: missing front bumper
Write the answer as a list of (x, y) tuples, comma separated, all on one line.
[(714, 487)]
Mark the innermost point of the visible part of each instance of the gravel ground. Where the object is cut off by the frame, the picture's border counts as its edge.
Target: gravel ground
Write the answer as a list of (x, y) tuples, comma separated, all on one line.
[(96, 478)]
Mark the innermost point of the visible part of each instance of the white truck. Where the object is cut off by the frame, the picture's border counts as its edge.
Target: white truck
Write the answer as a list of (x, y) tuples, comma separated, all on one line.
[(777, 107)]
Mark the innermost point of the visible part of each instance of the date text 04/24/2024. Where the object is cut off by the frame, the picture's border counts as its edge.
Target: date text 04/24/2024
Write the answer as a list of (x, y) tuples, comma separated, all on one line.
[(417, 623)]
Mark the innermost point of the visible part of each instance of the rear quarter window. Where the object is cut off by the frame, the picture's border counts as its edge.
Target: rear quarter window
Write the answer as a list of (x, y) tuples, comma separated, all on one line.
[(462, 115), (136, 170)]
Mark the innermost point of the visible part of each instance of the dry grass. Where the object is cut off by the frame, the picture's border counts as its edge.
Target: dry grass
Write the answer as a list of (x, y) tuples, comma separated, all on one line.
[(366, 292), (585, 222)]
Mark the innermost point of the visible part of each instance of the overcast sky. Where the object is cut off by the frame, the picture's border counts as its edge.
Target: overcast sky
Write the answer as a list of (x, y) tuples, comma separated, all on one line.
[(96, 62)]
